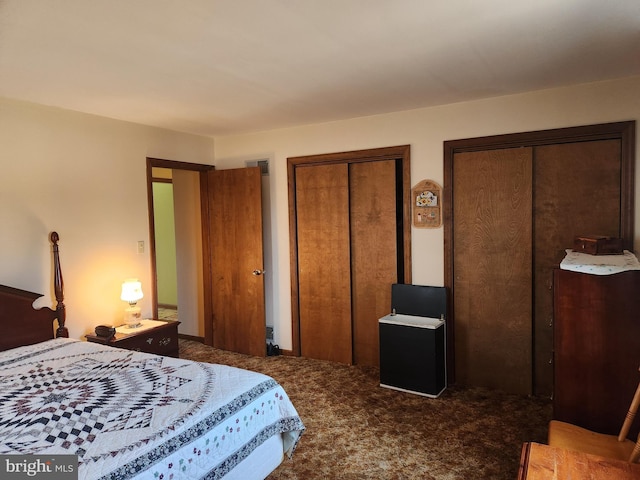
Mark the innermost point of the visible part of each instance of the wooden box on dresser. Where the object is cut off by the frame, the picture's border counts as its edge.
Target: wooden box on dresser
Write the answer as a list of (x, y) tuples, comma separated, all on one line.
[(161, 340), (596, 329)]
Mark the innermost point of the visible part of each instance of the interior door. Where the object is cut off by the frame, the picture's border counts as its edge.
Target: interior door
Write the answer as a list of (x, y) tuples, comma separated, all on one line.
[(237, 281), (324, 278)]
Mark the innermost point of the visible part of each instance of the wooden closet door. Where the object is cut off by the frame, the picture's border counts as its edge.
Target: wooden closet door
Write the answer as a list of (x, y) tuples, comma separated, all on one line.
[(324, 278), (374, 255), (577, 192), (492, 270)]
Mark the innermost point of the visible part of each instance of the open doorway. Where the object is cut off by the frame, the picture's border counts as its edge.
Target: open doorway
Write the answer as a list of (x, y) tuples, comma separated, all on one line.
[(188, 272), (176, 243), (164, 233)]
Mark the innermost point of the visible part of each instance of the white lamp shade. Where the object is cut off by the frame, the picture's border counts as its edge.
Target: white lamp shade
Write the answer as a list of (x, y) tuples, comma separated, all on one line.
[(131, 291)]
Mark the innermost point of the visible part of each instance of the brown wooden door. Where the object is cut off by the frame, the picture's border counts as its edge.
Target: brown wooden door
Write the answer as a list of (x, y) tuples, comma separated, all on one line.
[(583, 183), (347, 257), (577, 192), (237, 282), (374, 259), (575, 189), (324, 277), (350, 240), (492, 268)]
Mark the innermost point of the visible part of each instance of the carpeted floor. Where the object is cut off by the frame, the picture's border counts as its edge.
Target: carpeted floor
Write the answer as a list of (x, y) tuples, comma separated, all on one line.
[(358, 430), (168, 313)]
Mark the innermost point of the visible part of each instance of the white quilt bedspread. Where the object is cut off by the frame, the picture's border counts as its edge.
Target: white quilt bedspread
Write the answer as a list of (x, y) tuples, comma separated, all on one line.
[(133, 415)]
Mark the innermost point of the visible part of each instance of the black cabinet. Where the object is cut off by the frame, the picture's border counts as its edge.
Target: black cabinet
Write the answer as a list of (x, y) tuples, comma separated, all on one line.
[(412, 354)]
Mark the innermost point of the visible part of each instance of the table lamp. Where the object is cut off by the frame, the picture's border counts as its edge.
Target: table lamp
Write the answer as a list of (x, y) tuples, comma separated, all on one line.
[(131, 293)]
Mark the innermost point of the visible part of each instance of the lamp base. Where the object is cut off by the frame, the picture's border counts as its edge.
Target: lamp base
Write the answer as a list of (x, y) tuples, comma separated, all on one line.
[(132, 317)]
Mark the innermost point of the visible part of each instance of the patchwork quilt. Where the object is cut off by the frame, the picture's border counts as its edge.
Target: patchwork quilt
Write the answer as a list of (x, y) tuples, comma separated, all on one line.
[(130, 415)]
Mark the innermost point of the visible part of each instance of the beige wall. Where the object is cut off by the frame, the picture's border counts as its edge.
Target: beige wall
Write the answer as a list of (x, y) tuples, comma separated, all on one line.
[(84, 176), (425, 130)]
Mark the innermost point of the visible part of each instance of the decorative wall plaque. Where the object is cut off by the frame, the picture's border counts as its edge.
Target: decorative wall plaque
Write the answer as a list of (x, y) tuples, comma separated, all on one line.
[(426, 201)]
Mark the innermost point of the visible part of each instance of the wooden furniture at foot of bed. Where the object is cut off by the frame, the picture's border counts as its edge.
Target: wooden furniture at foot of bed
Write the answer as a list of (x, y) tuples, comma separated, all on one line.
[(21, 324), (543, 462)]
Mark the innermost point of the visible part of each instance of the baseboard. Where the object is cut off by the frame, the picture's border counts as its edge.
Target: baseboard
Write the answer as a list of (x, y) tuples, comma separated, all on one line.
[(195, 338), (191, 337)]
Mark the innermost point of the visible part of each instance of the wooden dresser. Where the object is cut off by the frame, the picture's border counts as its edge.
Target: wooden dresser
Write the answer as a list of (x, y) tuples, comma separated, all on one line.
[(596, 329), (161, 339)]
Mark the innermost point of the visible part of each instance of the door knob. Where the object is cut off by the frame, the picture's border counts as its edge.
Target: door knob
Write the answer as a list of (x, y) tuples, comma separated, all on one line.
[(257, 272)]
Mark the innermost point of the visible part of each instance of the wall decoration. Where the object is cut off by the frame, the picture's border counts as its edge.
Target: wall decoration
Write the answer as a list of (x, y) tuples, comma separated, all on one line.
[(426, 201)]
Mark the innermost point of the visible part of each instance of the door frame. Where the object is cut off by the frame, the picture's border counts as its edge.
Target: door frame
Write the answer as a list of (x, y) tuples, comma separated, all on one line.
[(401, 152), (623, 131), (204, 213)]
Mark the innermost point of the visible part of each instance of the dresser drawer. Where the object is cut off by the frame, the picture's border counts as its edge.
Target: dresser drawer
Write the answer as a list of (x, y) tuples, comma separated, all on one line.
[(162, 341)]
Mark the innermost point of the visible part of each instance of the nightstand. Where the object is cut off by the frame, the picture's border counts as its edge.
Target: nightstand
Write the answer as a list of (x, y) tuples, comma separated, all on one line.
[(154, 336)]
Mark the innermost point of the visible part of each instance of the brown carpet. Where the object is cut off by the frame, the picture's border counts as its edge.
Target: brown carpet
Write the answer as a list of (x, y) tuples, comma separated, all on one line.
[(358, 430)]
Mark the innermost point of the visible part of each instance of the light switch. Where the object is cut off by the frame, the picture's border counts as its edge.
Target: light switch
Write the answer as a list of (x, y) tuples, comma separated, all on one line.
[(140, 246)]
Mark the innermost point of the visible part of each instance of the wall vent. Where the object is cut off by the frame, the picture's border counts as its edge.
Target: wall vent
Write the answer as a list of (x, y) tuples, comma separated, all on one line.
[(263, 164)]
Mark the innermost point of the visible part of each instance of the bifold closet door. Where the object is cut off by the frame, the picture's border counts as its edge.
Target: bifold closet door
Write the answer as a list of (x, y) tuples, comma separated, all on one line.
[(492, 270), (324, 277)]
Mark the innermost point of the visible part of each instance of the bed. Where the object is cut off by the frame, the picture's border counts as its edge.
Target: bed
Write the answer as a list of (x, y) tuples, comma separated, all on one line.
[(132, 415)]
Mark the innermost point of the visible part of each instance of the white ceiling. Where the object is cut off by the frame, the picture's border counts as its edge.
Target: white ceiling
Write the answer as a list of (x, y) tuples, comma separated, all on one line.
[(217, 67)]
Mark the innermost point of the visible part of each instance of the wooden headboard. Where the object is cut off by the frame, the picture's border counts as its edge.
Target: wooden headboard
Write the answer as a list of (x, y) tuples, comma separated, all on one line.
[(24, 325)]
